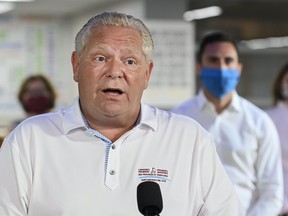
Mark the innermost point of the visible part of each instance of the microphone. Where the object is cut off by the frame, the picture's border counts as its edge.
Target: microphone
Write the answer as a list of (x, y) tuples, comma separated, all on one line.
[(149, 198)]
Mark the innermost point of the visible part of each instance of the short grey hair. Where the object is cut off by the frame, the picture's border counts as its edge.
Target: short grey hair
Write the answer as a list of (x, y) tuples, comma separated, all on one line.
[(115, 19)]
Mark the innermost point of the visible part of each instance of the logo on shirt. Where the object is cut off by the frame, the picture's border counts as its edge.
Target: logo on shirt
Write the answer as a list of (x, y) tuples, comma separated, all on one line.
[(153, 174)]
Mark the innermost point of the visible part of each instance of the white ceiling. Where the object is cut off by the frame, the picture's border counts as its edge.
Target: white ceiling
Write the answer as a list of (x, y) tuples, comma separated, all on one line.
[(57, 7)]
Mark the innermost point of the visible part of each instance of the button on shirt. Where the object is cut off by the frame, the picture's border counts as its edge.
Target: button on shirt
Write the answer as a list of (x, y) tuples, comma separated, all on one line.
[(279, 115), (111, 158), (52, 165), (248, 146)]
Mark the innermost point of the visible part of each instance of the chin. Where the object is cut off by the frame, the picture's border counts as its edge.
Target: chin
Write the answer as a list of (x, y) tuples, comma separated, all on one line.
[(112, 112), (114, 109)]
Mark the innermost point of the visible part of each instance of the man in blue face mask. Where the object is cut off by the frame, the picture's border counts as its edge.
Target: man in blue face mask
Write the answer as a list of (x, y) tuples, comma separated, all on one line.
[(245, 137)]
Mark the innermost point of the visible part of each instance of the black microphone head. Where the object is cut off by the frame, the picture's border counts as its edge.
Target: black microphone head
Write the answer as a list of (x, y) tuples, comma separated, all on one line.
[(149, 198)]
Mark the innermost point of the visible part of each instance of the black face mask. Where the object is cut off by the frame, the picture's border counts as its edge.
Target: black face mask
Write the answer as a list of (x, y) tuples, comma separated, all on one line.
[(37, 104)]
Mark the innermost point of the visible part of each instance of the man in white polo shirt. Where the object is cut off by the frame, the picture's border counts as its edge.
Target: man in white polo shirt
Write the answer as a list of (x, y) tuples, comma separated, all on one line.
[(89, 158)]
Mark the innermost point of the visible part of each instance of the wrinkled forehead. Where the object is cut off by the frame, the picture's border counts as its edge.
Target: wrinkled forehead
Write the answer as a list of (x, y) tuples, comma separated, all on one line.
[(115, 37)]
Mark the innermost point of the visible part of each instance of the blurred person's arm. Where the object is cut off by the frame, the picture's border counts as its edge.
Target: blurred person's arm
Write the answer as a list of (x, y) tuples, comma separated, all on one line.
[(269, 173), (220, 198)]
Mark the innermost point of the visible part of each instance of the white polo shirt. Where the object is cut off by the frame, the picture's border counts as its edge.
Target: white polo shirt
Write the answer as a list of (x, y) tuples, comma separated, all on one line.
[(248, 146), (51, 165)]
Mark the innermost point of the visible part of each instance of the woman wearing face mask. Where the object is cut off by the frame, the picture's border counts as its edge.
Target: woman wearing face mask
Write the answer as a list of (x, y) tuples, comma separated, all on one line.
[(36, 96), (279, 114)]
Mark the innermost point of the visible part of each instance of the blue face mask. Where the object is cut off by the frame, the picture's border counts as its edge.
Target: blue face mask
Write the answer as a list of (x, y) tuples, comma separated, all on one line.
[(219, 82)]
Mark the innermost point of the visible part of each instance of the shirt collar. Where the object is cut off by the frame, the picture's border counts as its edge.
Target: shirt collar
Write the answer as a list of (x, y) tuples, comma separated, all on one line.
[(148, 117), (203, 102), (235, 105), (73, 118)]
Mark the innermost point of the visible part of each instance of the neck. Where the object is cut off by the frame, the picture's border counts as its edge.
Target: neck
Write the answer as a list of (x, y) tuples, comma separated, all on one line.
[(220, 104)]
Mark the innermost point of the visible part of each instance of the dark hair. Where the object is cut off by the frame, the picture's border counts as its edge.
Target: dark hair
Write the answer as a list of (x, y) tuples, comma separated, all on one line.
[(32, 78), (214, 37), (277, 86)]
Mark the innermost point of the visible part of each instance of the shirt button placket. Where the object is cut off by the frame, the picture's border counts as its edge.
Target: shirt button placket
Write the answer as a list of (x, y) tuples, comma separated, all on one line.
[(112, 171)]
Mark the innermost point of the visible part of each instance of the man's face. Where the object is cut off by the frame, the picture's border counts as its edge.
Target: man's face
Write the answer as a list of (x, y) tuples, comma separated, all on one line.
[(112, 72), (220, 58), (220, 55)]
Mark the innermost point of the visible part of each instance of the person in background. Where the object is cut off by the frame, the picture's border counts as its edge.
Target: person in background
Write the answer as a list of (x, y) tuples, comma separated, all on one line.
[(279, 115), (36, 96), (89, 158), (246, 139), (1, 140)]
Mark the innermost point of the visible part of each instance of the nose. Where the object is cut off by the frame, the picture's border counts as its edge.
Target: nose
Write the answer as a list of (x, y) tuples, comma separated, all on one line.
[(222, 64), (115, 69)]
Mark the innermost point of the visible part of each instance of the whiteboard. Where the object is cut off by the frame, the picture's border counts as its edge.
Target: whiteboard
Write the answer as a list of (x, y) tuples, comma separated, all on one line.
[(173, 77), (30, 46)]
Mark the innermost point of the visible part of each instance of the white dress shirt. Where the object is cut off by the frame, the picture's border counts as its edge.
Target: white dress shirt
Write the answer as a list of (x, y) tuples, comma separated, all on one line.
[(279, 115), (248, 146), (51, 165)]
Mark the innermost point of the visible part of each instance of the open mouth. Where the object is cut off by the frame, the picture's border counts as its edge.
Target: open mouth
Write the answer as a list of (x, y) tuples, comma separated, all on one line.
[(113, 91)]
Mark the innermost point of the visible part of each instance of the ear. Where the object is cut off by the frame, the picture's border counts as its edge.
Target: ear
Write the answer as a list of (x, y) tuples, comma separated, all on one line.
[(75, 65), (198, 68), (240, 68), (148, 73)]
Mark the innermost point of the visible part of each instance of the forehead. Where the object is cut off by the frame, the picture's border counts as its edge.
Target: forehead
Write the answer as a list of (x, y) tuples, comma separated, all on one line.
[(35, 83), (220, 49), (115, 34)]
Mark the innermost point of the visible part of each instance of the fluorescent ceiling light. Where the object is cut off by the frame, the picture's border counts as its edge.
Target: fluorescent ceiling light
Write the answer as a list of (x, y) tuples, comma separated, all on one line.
[(202, 13), (6, 6), (273, 42)]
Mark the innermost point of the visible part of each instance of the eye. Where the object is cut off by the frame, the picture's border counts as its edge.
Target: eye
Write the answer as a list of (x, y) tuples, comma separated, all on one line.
[(100, 59), (228, 60), (131, 62), (213, 59)]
